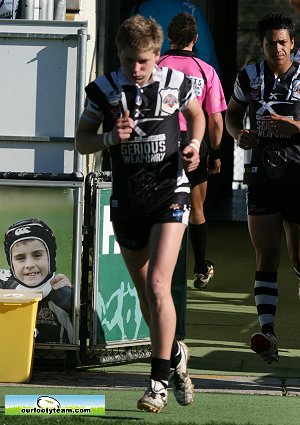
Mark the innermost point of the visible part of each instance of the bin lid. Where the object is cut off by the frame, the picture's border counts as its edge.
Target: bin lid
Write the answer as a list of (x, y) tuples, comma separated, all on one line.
[(19, 296)]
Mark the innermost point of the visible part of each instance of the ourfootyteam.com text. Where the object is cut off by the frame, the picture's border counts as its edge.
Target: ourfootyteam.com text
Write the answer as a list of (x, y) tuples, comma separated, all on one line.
[(50, 410)]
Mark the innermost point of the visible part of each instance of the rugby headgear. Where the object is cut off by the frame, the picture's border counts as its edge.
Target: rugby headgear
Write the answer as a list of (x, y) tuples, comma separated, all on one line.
[(28, 229)]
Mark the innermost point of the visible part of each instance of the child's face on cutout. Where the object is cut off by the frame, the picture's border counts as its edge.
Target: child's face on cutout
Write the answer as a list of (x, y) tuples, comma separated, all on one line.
[(30, 261)]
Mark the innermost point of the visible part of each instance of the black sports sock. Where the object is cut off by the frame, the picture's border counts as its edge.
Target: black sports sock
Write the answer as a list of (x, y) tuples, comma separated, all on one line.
[(198, 236), (160, 369), (268, 329), (266, 297)]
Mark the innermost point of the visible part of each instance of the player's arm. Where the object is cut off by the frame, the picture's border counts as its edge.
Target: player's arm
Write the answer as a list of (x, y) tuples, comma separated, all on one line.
[(234, 118), (89, 141), (279, 124), (195, 121), (215, 131), (234, 121), (87, 138)]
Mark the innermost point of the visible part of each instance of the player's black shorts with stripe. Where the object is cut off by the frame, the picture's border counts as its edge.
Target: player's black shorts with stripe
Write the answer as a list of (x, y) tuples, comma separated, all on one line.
[(133, 233), (266, 199)]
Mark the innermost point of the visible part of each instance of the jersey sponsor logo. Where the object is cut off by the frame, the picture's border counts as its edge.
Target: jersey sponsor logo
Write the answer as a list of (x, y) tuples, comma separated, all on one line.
[(22, 231), (170, 102), (198, 84), (263, 124), (177, 214), (46, 317), (274, 96), (275, 157), (143, 187), (268, 106), (144, 150), (275, 161)]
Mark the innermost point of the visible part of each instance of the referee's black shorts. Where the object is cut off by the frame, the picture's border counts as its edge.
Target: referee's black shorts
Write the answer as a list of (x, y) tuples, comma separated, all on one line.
[(200, 175)]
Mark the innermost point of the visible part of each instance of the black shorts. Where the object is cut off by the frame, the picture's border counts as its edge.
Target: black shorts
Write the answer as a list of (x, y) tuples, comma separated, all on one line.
[(134, 232), (200, 175), (264, 200)]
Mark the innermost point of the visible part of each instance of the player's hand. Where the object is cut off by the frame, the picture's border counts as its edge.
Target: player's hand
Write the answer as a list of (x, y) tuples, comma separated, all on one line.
[(247, 139), (190, 158), (59, 281), (284, 126), (213, 165), (123, 128)]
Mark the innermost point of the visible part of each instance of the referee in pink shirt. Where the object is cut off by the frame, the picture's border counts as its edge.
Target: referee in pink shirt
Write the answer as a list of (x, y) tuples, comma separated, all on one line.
[(182, 35)]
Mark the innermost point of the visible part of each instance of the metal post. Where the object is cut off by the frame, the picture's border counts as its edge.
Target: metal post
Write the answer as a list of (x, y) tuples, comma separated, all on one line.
[(78, 159), (60, 10), (28, 9), (50, 10), (101, 18), (43, 10), (13, 12), (80, 93), (77, 251)]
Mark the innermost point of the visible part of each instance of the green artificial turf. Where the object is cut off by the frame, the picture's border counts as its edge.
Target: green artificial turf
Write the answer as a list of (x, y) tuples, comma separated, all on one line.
[(207, 409)]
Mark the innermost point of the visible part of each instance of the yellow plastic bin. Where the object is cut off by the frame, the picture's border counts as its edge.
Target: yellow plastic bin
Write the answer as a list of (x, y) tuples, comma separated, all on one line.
[(18, 312)]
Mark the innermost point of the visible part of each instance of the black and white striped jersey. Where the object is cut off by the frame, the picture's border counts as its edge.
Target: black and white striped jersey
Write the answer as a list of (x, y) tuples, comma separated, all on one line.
[(277, 157), (147, 171)]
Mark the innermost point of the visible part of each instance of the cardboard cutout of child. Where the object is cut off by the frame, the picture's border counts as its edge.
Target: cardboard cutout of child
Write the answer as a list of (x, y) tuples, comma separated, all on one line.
[(30, 248)]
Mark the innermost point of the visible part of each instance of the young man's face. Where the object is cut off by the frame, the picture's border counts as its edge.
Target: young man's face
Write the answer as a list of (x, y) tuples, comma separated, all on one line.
[(277, 46), (138, 65), (30, 262)]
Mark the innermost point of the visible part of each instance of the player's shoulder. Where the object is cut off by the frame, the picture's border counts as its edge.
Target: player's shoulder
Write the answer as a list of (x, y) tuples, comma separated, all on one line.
[(100, 80)]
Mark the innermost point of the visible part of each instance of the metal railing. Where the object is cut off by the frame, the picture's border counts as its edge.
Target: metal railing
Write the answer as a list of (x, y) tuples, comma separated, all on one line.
[(44, 10)]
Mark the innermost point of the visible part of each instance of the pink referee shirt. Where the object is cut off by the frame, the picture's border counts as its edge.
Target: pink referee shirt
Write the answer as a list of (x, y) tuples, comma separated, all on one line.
[(206, 82)]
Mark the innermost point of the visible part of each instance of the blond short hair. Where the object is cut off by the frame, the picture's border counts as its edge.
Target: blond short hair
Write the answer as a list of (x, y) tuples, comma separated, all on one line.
[(140, 33)]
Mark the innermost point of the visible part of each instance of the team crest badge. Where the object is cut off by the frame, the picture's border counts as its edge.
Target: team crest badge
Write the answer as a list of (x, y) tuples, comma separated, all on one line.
[(296, 90), (255, 88), (256, 82), (115, 100), (255, 93), (169, 100)]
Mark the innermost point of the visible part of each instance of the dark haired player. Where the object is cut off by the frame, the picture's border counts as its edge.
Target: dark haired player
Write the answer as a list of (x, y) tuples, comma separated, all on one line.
[(271, 90)]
